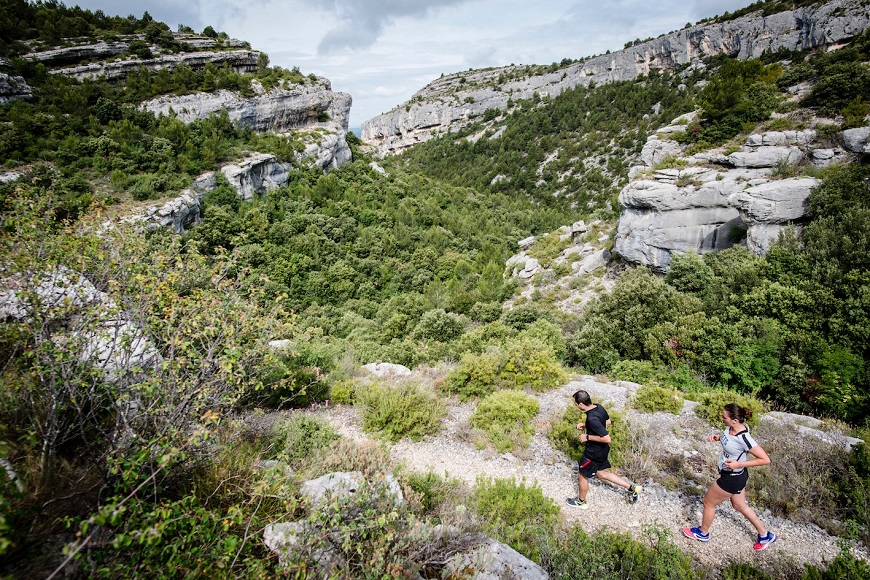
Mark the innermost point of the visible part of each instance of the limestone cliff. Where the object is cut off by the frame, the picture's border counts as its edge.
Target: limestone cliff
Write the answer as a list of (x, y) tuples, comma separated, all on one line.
[(239, 60), (311, 111), (710, 201), (456, 99)]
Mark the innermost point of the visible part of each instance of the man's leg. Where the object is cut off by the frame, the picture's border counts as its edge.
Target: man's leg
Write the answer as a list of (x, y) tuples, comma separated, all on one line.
[(582, 485), (612, 478)]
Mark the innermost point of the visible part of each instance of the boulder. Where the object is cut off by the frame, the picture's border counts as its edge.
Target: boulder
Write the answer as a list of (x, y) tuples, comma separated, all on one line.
[(774, 202), (766, 156), (13, 88), (599, 259), (493, 561), (857, 140), (381, 369)]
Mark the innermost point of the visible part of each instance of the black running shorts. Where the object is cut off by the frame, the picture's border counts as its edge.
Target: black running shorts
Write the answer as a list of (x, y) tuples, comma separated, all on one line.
[(732, 482), (589, 467)]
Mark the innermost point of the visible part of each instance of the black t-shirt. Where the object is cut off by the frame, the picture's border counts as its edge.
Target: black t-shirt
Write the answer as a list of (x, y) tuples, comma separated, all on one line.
[(596, 424)]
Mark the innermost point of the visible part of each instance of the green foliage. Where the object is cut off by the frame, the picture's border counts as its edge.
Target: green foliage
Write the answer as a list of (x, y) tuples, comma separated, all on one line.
[(434, 490), (520, 516), (342, 392), (506, 417), (437, 325), (530, 363), (476, 376), (397, 412), (522, 363), (615, 556), (368, 531), (563, 433), (651, 398), (711, 404), (301, 437)]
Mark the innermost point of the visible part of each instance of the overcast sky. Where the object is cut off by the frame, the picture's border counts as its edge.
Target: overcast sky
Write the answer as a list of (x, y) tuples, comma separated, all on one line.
[(382, 51)]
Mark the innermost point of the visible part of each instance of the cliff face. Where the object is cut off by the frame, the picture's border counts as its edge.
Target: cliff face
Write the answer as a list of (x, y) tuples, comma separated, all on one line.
[(312, 110), (454, 100), (239, 60)]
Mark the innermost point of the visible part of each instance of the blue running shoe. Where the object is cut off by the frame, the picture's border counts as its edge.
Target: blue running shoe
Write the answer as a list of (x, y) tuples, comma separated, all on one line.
[(696, 534)]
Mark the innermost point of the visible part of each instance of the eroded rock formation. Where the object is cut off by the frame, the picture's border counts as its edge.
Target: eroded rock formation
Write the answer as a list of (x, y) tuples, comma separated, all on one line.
[(455, 100)]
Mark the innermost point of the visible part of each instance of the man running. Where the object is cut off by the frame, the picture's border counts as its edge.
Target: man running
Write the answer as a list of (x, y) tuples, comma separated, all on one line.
[(594, 461)]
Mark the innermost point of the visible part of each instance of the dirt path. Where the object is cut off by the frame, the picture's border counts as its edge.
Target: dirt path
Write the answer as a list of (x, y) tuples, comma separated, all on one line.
[(732, 537)]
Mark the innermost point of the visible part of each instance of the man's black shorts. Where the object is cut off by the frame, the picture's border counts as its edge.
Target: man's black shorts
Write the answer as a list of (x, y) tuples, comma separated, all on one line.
[(589, 467), (732, 482)]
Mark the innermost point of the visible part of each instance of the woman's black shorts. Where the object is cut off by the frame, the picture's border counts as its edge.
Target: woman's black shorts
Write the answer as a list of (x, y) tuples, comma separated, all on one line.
[(732, 482)]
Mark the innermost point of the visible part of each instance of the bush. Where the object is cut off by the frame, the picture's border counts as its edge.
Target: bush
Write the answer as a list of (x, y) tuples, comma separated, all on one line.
[(635, 371), (519, 516), (506, 417), (531, 363), (369, 457), (476, 376), (437, 325), (651, 398), (433, 489), (342, 393), (397, 412), (712, 402), (615, 556), (302, 436), (563, 433)]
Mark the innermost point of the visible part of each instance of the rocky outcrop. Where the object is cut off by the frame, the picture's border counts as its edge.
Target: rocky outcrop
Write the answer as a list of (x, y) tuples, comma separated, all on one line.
[(68, 55), (255, 175), (455, 100), (711, 201), (78, 53), (239, 60), (466, 555), (85, 320), (311, 112), (12, 88)]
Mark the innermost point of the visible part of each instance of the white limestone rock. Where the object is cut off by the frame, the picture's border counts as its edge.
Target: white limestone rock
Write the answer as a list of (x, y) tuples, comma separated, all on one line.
[(382, 369), (766, 156), (493, 561), (857, 140), (777, 202), (13, 88)]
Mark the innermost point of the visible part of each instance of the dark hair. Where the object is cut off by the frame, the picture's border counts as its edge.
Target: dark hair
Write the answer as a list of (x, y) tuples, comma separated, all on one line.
[(582, 398), (735, 411)]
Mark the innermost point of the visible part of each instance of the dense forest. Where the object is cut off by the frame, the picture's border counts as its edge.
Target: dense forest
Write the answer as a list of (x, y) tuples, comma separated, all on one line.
[(404, 265)]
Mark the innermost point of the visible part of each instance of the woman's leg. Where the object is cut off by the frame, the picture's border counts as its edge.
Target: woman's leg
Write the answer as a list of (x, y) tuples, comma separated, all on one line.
[(738, 500), (714, 496)]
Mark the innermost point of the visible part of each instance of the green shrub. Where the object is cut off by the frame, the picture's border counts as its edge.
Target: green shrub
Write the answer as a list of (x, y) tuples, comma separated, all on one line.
[(476, 376), (548, 333), (506, 417), (437, 325), (521, 517), (369, 532), (712, 402), (342, 392), (604, 555), (480, 339), (531, 363), (302, 436), (635, 371), (433, 489), (397, 412), (563, 433), (651, 398)]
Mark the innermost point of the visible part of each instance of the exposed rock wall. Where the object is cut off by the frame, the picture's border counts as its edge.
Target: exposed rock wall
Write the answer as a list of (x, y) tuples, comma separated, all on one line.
[(316, 114), (454, 100), (12, 88), (239, 60), (711, 201)]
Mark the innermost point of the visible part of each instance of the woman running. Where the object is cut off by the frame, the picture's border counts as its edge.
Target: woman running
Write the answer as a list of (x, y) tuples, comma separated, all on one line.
[(736, 443)]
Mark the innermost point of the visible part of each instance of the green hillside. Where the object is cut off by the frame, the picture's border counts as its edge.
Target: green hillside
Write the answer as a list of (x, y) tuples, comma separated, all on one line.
[(148, 471)]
